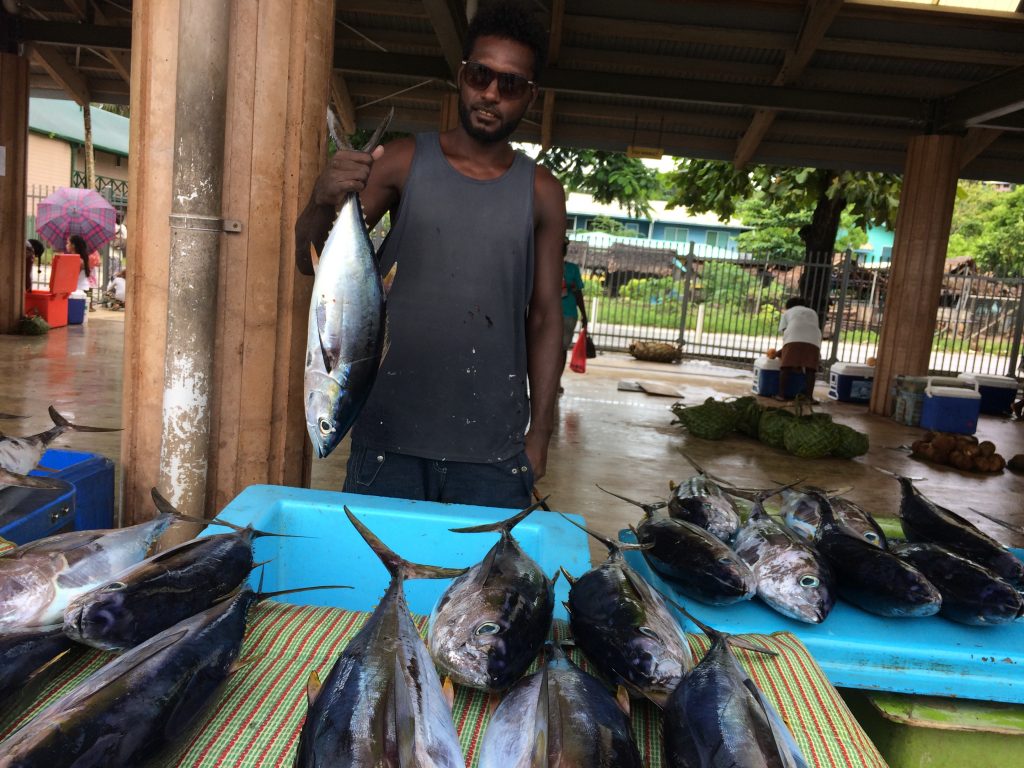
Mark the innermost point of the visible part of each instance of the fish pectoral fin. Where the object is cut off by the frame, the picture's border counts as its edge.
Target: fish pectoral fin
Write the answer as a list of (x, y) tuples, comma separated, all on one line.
[(240, 664), (541, 723), (386, 343), (786, 745), (389, 279), (622, 699), (313, 688), (449, 692), (404, 710), (330, 353), (314, 258)]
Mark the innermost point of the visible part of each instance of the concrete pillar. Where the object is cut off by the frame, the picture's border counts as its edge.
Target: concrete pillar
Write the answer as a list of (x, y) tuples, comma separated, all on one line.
[(278, 83), (14, 144), (918, 263)]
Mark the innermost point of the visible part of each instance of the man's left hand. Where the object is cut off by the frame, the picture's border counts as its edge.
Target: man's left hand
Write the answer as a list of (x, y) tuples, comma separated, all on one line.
[(536, 448)]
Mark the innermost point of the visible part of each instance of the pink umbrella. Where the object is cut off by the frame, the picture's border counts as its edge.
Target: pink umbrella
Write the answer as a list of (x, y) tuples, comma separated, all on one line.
[(73, 211)]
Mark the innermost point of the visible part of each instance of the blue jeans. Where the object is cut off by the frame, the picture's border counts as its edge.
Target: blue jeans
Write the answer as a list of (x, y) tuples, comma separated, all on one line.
[(506, 483)]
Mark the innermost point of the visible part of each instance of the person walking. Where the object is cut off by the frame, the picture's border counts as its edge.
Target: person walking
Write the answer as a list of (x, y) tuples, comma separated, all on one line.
[(573, 306), (462, 409), (801, 346)]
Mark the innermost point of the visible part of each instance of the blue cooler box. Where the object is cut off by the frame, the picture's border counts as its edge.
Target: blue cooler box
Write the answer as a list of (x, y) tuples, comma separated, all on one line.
[(92, 476), (850, 382), (27, 514), (950, 409), (76, 311), (997, 392), (766, 378)]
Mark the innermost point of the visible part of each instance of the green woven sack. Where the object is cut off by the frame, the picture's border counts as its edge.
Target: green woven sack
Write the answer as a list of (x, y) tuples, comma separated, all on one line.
[(710, 421), (850, 443), (748, 415), (772, 425), (810, 437)]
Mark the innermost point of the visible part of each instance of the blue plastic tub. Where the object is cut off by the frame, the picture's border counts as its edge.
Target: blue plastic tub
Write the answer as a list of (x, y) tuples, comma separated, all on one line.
[(27, 514), (92, 476), (997, 392), (857, 649), (331, 552)]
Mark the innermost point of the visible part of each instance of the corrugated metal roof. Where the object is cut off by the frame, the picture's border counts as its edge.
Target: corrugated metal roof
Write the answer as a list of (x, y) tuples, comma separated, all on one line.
[(63, 119)]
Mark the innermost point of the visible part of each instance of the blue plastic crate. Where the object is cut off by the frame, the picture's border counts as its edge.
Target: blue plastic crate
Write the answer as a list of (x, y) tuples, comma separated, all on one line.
[(856, 649), (997, 392), (92, 476), (332, 552), (27, 514)]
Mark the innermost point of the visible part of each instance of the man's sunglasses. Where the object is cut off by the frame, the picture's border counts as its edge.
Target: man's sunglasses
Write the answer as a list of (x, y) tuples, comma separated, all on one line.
[(510, 86)]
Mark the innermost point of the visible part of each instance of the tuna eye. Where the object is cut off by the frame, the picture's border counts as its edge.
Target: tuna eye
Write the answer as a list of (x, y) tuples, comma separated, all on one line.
[(648, 632), (488, 628), (809, 581), (115, 586), (325, 426), (725, 560), (871, 536)]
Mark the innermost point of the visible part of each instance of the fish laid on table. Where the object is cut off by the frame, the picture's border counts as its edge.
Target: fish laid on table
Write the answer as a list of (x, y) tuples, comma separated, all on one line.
[(22, 454), (23, 652), (697, 563), (491, 622), (559, 716), (871, 578), (803, 516), (971, 593), (161, 590), (382, 703), (925, 521), (719, 718), (791, 576), (39, 579), (346, 332), (701, 501), (143, 700), (624, 627)]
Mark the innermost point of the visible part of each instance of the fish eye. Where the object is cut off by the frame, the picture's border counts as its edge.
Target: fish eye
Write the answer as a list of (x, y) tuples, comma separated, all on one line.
[(488, 628), (871, 536), (325, 426), (809, 581), (649, 633), (725, 560), (115, 586)]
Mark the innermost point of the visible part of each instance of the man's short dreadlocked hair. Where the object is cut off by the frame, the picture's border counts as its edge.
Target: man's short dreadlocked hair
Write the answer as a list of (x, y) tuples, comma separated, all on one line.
[(511, 20)]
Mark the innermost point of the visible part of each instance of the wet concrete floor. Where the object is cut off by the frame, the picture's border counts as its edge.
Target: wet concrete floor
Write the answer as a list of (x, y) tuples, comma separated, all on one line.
[(621, 440)]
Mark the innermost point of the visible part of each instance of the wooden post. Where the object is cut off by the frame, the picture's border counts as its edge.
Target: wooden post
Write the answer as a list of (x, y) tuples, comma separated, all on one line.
[(918, 263), (279, 77), (14, 140)]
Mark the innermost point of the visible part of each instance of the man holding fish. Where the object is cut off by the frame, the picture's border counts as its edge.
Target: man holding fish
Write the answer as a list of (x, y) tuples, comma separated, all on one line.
[(462, 408)]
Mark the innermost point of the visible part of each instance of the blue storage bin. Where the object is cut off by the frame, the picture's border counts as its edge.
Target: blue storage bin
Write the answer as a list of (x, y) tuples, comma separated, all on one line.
[(951, 409), (92, 476), (850, 383), (997, 392), (766, 379), (76, 311), (332, 552), (27, 514)]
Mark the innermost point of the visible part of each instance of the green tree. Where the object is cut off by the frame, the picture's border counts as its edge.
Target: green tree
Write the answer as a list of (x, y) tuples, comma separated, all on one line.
[(717, 186), (775, 232), (610, 225), (999, 247), (974, 202), (610, 177)]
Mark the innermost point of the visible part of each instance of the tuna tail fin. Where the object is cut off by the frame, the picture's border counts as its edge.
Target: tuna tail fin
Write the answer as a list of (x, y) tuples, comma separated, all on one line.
[(649, 509), (396, 565), (377, 134), (26, 481), (502, 526), (164, 505), (334, 129), (260, 595), (61, 424), (613, 546), (713, 633)]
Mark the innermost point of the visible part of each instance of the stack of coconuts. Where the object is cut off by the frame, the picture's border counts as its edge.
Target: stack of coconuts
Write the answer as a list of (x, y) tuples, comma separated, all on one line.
[(963, 452)]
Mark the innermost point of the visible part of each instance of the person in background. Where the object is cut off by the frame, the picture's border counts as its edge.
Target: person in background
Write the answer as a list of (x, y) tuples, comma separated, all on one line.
[(38, 249), (116, 290), (94, 277), (801, 345), (30, 258), (76, 244), (572, 305)]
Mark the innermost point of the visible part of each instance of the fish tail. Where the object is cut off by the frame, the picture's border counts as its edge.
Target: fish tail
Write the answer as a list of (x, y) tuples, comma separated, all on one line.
[(61, 424), (164, 505), (375, 138), (396, 565), (27, 481), (692, 463), (503, 526), (648, 509), (267, 595), (613, 546)]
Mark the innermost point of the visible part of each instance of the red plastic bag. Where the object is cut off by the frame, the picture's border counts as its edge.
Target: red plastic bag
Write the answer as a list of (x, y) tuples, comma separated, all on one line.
[(578, 362)]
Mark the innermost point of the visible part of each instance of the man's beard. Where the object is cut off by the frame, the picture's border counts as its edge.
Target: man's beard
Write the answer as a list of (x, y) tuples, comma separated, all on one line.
[(503, 131)]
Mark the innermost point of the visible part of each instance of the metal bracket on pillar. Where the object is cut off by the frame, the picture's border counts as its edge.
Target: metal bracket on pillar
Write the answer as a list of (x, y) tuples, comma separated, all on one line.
[(205, 223)]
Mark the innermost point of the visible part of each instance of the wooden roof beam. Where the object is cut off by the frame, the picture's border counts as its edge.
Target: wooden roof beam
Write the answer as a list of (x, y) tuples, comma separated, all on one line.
[(448, 17), (985, 102), (343, 103), (818, 17), (554, 50), (977, 141), (66, 76)]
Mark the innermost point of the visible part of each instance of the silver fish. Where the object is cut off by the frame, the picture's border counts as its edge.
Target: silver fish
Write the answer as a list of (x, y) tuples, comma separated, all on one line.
[(490, 624), (346, 331), (22, 454), (559, 716), (803, 515), (39, 579), (791, 577), (701, 501), (23, 654), (382, 705)]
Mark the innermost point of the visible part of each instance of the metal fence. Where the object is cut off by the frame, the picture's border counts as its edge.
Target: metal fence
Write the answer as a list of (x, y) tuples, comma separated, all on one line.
[(725, 306)]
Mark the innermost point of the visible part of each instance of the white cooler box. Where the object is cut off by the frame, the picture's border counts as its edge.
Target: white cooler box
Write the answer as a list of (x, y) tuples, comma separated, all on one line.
[(850, 382)]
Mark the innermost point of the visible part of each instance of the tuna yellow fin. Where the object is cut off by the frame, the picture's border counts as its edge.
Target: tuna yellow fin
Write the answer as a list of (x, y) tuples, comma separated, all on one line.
[(388, 280), (314, 257), (449, 692), (493, 700), (622, 699), (313, 687)]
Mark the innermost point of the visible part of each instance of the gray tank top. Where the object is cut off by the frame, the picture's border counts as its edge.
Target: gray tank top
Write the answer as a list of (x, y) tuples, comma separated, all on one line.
[(453, 385)]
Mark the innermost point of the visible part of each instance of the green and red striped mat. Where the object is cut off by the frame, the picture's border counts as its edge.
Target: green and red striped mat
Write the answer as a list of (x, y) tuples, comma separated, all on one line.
[(256, 721)]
